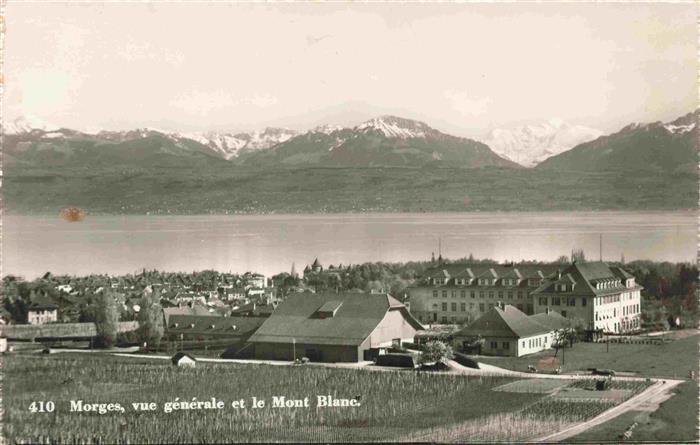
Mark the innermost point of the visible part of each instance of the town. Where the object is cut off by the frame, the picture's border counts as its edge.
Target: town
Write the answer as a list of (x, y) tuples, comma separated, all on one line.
[(564, 331), (349, 313)]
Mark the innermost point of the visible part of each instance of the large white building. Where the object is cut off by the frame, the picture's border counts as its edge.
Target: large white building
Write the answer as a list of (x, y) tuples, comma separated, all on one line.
[(594, 295), (462, 292)]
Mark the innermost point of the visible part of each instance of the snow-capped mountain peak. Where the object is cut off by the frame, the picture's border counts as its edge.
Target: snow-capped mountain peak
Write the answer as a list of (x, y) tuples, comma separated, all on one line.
[(326, 129), (683, 124), (396, 127), (528, 145), (229, 145)]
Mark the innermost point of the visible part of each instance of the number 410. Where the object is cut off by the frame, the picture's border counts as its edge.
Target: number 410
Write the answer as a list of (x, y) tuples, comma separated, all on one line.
[(42, 407)]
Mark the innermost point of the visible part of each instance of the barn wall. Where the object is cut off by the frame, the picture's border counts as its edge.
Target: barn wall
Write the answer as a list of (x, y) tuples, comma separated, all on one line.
[(315, 352), (393, 325)]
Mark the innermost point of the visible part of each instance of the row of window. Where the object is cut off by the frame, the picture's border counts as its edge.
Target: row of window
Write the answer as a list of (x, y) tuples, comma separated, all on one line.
[(561, 301), (608, 299), (505, 344), (631, 309), (534, 282), (482, 294), (535, 342), (463, 307)]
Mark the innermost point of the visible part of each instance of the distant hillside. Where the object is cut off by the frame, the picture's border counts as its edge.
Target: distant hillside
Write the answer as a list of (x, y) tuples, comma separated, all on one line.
[(643, 148), (111, 150), (380, 142)]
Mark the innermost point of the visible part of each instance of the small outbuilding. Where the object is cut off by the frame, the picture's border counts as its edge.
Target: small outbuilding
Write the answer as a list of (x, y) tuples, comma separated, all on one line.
[(182, 359)]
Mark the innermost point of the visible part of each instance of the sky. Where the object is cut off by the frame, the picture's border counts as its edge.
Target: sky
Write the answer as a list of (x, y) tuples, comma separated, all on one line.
[(462, 68)]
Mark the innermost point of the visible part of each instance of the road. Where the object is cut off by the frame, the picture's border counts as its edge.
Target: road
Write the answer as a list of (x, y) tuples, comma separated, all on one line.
[(655, 394)]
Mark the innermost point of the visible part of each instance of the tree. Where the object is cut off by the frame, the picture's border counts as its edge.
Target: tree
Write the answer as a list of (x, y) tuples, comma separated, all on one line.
[(561, 337), (578, 256), (436, 352), (150, 318), (106, 316)]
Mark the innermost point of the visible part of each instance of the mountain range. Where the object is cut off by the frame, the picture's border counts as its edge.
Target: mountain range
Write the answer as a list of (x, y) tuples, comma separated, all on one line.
[(383, 164), (382, 141)]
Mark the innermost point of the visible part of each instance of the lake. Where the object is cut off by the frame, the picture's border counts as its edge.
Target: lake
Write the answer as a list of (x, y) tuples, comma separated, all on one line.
[(269, 244)]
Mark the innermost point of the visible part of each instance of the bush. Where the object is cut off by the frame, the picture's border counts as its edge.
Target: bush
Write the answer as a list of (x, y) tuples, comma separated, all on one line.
[(436, 351), (396, 360)]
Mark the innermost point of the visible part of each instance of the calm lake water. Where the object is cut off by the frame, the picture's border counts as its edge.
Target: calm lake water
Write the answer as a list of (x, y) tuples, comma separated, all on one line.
[(270, 244)]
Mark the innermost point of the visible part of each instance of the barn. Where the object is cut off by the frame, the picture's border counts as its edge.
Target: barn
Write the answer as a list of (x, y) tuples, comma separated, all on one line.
[(333, 327), (182, 359)]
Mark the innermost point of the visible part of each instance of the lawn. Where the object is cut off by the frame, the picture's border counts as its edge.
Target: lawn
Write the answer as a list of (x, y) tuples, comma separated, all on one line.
[(673, 359), (393, 404), (676, 420)]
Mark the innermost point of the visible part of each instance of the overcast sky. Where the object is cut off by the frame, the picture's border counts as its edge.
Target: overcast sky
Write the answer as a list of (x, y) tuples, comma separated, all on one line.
[(463, 68)]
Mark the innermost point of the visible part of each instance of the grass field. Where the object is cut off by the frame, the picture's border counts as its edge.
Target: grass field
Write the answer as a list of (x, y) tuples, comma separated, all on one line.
[(395, 406), (674, 359)]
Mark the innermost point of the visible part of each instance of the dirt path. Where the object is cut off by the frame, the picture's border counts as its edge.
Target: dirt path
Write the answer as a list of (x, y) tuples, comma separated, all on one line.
[(653, 395)]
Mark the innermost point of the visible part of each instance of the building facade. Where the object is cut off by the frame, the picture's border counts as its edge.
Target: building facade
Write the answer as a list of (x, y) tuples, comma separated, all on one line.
[(594, 296), (462, 292), (42, 313)]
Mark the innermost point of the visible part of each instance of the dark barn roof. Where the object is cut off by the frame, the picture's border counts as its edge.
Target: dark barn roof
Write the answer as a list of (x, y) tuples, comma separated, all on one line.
[(208, 325), (356, 316)]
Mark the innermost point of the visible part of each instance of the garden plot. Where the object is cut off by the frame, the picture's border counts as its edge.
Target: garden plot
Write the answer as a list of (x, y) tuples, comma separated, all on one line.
[(537, 386)]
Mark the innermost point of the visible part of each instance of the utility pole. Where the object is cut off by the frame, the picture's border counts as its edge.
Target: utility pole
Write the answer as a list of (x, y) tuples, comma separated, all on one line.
[(294, 348), (601, 248)]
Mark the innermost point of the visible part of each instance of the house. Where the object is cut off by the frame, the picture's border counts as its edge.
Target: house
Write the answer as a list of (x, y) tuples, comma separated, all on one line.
[(182, 359), (462, 292), (505, 330), (187, 309), (253, 309), (42, 312), (596, 296), (333, 327), (3, 344)]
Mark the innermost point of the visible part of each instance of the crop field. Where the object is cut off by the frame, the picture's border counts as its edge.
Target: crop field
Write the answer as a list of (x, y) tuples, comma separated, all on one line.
[(394, 406)]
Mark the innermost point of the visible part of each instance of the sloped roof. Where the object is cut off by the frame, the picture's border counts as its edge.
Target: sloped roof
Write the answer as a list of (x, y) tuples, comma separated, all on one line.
[(466, 273), (508, 322), (195, 309), (478, 269), (621, 273), (512, 273), (553, 320), (585, 275), (202, 325), (42, 303), (438, 273), (488, 273), (356, 318)]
